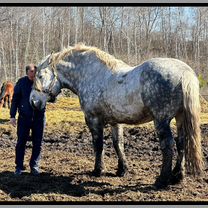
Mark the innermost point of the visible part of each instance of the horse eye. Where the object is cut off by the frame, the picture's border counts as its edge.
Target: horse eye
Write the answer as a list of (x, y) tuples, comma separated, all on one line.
[(40, 77)]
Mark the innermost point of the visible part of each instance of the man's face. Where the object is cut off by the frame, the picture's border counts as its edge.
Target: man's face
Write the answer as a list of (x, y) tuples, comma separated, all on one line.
[(31, 73)]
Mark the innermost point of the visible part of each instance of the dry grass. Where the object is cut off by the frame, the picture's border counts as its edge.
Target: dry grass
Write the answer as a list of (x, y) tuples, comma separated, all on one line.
[(59, 115), (64, 103), (65, 112)]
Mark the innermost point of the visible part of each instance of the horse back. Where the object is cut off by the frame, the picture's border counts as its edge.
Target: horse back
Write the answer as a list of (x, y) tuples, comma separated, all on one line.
[(10, 87), (7, 89)]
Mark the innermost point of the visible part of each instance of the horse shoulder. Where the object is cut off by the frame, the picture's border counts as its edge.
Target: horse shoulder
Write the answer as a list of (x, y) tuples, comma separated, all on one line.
[(91, 100)]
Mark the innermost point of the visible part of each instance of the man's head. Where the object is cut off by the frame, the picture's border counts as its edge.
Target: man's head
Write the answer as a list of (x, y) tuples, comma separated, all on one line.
[(30, 71)]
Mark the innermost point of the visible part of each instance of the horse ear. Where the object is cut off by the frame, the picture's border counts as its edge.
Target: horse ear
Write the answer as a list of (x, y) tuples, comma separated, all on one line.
[(50, 57)]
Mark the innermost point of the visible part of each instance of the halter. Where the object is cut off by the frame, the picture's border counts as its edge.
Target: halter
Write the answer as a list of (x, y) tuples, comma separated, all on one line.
[(49, 90)]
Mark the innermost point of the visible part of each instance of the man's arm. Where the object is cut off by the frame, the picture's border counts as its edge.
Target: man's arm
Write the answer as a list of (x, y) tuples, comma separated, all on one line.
[(15, 101)]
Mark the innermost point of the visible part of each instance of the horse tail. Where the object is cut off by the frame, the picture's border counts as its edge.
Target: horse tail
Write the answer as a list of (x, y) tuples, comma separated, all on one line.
[(3, 90), (191, 124)]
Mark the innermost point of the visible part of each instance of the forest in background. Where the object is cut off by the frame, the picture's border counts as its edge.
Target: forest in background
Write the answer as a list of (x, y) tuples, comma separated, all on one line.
[(132, 34)]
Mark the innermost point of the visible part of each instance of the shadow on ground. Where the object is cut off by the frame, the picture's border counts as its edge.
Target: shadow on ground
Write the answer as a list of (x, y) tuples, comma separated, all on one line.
[(26, 185), (2, 121)]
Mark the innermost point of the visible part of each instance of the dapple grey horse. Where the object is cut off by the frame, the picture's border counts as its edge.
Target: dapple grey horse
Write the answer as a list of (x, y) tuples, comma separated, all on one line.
[(111, 92)]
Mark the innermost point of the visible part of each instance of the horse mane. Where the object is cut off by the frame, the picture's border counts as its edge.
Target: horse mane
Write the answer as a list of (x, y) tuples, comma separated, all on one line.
[(110, 61)]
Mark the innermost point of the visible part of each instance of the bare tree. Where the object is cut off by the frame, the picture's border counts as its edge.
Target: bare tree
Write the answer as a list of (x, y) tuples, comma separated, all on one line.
[(131, 33)]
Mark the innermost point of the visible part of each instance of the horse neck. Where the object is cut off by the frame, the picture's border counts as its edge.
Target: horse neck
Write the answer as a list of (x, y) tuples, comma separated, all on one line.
[(81, 75)]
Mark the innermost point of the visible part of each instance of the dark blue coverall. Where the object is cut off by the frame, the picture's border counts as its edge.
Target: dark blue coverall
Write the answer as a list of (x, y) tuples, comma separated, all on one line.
[(28, 119)]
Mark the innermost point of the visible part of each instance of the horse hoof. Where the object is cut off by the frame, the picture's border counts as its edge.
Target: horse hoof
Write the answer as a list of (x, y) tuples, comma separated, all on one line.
[(176, 178), (161, 184), (97, 173), (121, 173)]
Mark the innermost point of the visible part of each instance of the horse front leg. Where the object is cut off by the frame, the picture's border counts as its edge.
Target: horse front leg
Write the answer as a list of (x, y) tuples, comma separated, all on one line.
[(96, 128), (166, 145), (118, 143)]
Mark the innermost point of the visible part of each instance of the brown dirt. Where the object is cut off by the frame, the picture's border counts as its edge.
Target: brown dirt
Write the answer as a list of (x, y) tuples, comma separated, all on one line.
[(67, 162)]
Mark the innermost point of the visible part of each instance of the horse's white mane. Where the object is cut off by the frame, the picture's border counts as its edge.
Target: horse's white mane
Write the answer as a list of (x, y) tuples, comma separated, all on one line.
[(110, 61)]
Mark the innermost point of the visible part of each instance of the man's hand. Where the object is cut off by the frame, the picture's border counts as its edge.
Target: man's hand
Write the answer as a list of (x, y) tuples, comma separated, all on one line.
[(13, 121)]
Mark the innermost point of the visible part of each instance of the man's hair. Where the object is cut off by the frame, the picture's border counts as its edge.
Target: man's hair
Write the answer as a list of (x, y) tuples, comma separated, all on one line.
[(28, 67)]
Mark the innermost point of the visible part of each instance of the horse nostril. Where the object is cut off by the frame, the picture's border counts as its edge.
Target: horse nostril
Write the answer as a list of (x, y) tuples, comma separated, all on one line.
[(33, 98), (35, 103), (32, 103)]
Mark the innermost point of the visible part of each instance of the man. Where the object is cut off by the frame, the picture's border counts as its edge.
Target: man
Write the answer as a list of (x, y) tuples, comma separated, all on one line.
[(28, 120)]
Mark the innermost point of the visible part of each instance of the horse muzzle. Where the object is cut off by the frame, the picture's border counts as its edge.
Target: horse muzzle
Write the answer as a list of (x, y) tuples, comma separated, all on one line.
[(36, 104)]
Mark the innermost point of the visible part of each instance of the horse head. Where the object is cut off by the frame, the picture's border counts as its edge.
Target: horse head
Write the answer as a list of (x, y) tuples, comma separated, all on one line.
[(46, 84)]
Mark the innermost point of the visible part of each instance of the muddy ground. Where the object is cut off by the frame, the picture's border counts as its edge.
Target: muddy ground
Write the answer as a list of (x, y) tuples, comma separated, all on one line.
[(67, 162)]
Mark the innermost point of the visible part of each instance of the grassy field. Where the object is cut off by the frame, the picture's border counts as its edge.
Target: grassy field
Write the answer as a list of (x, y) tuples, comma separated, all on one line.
[(64, 111), (65, 116), (67, 110)]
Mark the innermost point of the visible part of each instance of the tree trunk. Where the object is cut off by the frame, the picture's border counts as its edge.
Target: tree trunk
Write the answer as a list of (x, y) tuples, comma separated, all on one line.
[(4, 60)]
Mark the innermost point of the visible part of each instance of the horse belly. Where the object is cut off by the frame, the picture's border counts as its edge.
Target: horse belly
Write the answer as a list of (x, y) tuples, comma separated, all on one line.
[(138, 117), (128, 110)]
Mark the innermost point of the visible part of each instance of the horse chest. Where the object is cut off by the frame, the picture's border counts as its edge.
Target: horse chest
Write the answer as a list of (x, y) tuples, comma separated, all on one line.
[(90, 101)]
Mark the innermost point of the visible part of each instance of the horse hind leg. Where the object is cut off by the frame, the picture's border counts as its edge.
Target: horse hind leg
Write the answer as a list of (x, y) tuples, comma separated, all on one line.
[(166, 144), (5, 101), (118, 143), (9, 101), (1, 103), (179, 169)]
